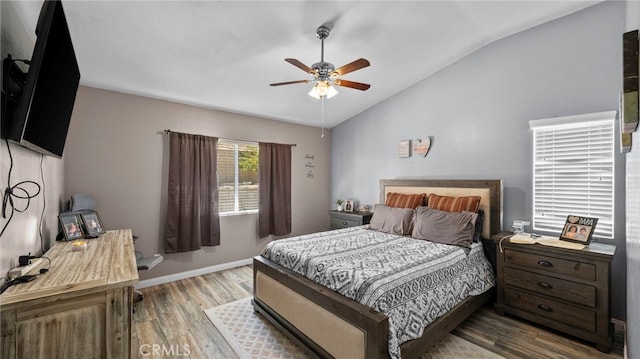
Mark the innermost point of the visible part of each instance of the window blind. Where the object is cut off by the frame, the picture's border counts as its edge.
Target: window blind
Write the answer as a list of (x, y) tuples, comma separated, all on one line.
[(573, 171)]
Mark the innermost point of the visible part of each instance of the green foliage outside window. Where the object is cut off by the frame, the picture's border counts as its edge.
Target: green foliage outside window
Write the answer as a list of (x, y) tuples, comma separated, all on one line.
[(248, 159)]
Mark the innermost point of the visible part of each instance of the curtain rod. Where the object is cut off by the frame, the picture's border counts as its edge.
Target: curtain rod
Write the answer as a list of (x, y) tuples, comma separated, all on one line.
[(232, 139)]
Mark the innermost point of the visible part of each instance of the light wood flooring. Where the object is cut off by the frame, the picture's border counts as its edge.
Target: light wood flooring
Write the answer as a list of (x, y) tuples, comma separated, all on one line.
[(170, 322)]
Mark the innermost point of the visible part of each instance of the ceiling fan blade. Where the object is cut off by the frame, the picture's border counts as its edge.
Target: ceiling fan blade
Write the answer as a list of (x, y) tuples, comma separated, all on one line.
[(352, 84), (300, 65), (353, 66), (290, 82)]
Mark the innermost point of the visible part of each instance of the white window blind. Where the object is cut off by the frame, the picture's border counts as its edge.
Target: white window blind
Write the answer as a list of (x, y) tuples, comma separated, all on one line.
[(573, 171), (237, 176)]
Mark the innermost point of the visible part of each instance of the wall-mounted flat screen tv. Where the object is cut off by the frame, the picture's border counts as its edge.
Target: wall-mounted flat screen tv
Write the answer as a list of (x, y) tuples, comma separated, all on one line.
[(41, 118)]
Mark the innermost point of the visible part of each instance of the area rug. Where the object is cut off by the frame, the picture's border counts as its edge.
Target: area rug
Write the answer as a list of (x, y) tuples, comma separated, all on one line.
[(252, 337)]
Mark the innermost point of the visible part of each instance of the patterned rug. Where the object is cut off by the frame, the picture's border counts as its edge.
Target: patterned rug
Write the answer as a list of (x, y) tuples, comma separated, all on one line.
[(252, 336)]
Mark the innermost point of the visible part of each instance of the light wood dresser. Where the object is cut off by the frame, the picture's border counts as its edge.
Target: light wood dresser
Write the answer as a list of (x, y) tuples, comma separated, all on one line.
[(81, 308), (564, 289)]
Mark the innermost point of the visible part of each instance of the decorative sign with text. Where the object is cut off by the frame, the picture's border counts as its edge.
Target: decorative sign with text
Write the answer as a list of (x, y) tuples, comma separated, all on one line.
[(578, 229), (422, 146)]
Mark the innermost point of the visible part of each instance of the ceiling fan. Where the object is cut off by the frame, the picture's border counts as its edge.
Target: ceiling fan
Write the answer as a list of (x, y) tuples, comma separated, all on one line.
[(325, 74)]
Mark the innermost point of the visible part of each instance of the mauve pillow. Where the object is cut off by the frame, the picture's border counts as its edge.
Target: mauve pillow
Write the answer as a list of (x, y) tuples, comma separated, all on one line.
[(391, 220), (444, 227)]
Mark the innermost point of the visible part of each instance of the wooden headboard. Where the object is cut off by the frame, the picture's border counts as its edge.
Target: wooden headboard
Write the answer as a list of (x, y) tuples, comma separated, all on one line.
[(490, 192)]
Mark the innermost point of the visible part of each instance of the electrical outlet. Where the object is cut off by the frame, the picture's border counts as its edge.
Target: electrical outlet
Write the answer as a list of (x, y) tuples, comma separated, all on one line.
[(20, 271)]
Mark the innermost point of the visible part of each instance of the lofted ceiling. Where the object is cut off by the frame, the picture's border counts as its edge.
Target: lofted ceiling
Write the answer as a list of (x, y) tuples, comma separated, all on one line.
[(224, 54)]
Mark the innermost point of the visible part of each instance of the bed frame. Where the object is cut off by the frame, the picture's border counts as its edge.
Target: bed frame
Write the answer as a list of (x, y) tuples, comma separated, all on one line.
[(326, 324)]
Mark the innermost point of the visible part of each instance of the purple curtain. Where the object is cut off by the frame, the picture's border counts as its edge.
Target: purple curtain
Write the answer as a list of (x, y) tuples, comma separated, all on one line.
[(192, 212), (274, 214)]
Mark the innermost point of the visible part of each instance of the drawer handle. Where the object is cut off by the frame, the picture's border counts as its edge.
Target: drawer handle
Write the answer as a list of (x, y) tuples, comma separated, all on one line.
[(545, 263), (545, 285), (546, 308), (344, 223)]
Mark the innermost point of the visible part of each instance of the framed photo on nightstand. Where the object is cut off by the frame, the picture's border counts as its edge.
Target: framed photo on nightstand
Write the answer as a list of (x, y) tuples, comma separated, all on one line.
[(348, 206), (578, 229), (71, 226)]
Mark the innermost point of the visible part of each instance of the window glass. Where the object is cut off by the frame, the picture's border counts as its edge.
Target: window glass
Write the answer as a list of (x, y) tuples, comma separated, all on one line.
[(237, 176)]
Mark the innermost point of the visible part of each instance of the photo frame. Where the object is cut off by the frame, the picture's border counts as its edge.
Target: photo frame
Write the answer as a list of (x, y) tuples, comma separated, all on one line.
[(71, 226), (629, 101), (578, 229), (625, 137), (404, 149), (349, 205), (92, 224)]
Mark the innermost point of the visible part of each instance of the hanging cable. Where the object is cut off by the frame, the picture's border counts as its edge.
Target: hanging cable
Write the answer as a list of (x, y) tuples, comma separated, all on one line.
[(322, 114), (10, 193), (44, 206)]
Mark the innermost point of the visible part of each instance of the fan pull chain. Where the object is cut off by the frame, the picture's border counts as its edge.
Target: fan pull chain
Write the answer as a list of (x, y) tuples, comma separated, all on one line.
[(322, 113)]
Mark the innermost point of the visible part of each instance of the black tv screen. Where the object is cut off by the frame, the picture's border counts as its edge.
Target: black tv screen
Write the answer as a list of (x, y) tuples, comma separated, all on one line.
[(41, 118)]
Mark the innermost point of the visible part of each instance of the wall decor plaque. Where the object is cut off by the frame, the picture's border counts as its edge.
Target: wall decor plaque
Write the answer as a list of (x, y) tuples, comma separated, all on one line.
[(422, 146)]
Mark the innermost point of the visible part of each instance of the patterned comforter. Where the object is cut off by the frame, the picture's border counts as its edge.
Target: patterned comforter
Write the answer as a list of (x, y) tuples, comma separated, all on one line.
[(412, 281)]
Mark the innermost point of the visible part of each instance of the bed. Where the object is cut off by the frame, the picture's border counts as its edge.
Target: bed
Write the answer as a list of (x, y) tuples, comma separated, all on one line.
[(329, 324)]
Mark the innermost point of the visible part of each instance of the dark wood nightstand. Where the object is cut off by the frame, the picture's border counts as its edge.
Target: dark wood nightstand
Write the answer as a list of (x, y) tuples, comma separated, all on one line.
[(348, 219), (564, 289)]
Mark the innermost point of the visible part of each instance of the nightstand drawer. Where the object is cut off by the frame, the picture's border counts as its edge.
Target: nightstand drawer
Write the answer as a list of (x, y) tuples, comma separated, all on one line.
[(568, 267), (339, 223), (339, 220), (566, 290), (551, 309)]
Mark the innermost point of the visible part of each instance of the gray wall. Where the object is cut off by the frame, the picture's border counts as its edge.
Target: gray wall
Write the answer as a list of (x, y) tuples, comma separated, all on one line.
[(477, 111), (117, 152), (22, 234)]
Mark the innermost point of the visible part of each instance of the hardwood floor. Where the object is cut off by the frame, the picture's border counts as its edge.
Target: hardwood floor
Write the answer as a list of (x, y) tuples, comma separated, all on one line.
[(170, 322)]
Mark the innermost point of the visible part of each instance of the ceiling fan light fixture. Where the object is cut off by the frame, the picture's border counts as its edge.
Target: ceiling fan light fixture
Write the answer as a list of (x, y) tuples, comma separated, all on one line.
[(323, 89), (325, 75)]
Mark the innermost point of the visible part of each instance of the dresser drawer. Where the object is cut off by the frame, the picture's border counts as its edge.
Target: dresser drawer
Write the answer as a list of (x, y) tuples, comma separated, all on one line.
[(338, 223), (551, 309), (568, 267), (566, 290)]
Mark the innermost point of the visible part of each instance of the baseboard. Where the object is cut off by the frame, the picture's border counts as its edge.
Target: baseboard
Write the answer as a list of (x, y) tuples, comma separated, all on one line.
[(193, 273)]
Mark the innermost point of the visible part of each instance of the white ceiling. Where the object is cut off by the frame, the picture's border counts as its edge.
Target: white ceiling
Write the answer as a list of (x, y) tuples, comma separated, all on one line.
[(224, 54)]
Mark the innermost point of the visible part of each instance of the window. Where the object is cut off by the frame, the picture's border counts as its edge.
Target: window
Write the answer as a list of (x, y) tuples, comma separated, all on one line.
[(237, 176), (573, 171)]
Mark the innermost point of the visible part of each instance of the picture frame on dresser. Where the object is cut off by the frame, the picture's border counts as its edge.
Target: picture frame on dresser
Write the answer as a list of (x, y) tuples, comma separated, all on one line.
[(578, 229), (92, 224), (71, 226)]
